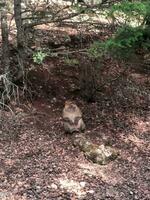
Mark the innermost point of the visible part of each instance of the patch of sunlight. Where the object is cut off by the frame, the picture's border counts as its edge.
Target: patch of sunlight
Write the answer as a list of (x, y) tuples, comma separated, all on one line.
[(142, 126), (5, 195), (133, 21), (99, 17), (140, 143), (9, 162), (73, 186), (108, 173)]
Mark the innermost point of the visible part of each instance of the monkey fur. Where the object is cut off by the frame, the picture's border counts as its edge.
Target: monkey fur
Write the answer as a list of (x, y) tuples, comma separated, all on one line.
[(72, 118)]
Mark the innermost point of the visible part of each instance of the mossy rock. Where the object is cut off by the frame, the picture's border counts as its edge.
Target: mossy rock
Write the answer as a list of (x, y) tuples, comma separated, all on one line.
[(100, 154)]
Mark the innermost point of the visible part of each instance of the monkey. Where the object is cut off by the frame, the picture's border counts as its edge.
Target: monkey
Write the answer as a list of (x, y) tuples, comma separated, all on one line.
[(72, 118), (73, 123)]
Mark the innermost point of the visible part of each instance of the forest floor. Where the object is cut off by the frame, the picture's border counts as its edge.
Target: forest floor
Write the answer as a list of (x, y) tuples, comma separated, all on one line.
[(38, 160)]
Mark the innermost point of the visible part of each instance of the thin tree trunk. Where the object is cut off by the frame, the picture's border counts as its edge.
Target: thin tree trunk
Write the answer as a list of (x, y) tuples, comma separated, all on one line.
[(88, 79), (21, 44), (5, 41), (20, 30)]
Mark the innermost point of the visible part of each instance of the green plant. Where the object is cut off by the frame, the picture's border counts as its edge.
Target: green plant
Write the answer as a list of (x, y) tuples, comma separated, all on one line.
[(128, 38), (39, 56), (71, 62), (130, 11)]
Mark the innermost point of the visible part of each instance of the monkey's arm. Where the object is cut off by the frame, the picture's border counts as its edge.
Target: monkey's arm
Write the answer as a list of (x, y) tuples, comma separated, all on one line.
[(77, 120), (66, 119)]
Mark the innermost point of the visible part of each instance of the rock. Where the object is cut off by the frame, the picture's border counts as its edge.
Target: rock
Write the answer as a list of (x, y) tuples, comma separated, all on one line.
[(98, 154), (54, 186), (91, 191), (82, 184)]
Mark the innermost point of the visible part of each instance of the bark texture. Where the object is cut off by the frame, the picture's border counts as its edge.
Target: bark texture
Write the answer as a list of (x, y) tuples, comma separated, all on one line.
[(5, 42)]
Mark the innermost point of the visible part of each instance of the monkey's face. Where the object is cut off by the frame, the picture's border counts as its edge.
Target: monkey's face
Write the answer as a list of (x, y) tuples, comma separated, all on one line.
[(70, 105), (67, 102)]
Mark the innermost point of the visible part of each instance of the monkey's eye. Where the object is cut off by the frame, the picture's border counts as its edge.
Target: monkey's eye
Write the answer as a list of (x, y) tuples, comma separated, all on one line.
[(66, 119)]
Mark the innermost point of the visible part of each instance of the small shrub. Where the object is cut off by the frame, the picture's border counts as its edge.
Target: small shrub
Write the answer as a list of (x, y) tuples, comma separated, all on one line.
[(39, 56), (71, 62), (124, 44), (131, 36)]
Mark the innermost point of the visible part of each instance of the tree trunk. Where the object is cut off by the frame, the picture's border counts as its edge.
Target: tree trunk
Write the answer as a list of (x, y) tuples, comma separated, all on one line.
[(21, 42), (88, 80), (20, 30), (5, 42)]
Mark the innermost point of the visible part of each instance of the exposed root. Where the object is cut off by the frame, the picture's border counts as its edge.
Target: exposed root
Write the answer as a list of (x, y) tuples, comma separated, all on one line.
[(4, 105), (9, 90)]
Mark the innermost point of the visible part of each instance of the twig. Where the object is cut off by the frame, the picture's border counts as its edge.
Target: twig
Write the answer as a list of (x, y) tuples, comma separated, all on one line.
[(8, 87), (68, 52), (4, 105)]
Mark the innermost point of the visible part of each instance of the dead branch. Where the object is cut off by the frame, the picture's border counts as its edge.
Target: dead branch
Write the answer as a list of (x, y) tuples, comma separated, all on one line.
[(50, 20), (55, 52)]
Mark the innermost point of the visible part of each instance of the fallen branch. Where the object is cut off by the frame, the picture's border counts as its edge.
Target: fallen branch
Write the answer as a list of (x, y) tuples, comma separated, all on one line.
[(67, 52), (54, 19), (50, 20)]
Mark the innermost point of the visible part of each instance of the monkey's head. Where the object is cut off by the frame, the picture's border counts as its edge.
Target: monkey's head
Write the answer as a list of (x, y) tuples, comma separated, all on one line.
[(69, 104)]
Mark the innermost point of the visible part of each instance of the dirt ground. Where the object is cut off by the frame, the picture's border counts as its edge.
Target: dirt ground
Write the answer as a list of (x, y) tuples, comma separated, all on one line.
[(38, 160)]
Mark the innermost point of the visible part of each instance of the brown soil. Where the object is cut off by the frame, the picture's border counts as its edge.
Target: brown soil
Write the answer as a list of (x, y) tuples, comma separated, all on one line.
[(38, 160)]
